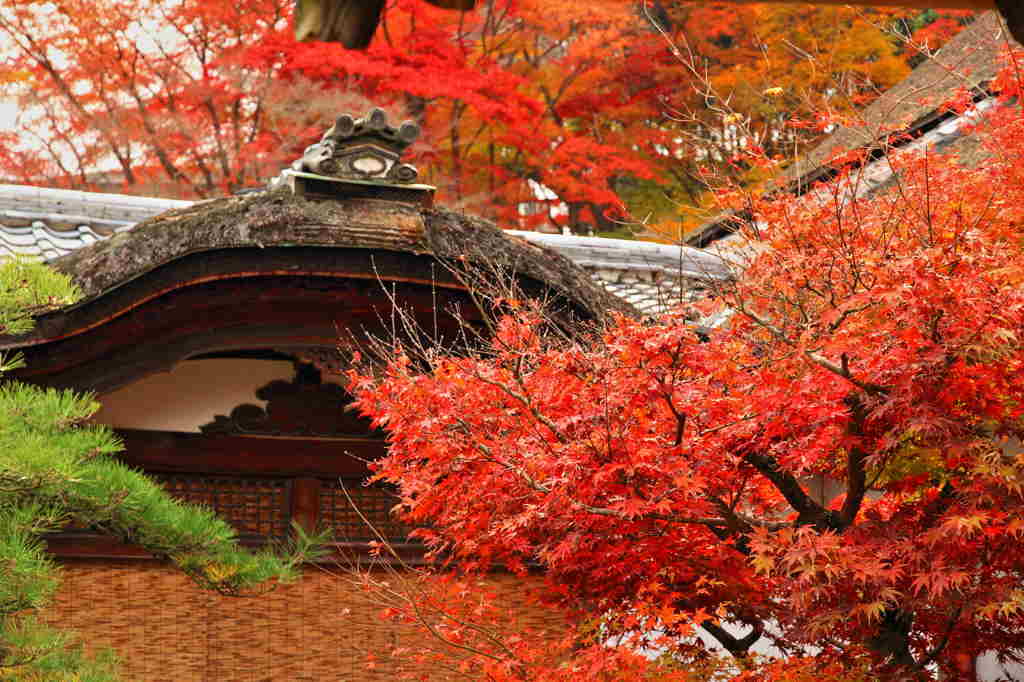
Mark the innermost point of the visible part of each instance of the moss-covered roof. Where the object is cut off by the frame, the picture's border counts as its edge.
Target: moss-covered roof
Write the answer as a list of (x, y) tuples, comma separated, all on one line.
[(280, 219)]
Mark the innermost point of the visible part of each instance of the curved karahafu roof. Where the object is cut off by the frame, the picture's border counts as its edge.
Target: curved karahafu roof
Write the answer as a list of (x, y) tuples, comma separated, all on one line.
[(281, 220), (277, 270), (280, 270), (52, 223), (269, 222)]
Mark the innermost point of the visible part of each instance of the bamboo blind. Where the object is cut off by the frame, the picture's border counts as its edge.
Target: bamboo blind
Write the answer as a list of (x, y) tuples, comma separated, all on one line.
[(320, 628)]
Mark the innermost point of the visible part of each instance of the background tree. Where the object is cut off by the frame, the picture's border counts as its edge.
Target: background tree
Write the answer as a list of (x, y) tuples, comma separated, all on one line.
[(149, 96), (836, 471), (534, 113), (539, 113), (55, 471)]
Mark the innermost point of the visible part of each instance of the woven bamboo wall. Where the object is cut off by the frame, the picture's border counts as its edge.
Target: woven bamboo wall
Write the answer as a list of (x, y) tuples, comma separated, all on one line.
[(164, 629)]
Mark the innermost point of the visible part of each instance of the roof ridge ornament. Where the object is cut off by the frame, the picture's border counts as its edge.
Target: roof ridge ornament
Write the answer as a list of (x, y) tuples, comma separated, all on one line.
[(362, 148), (359, 157)]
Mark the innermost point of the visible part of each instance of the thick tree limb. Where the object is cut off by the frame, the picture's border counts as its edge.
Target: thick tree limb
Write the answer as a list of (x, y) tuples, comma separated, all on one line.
[(856, 472), (737, 646), (893, 638), (856, 486), (809, 512)]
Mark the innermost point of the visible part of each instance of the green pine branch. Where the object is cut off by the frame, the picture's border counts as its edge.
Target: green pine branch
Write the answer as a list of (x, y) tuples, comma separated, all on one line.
[(29, 289), (56, 469)]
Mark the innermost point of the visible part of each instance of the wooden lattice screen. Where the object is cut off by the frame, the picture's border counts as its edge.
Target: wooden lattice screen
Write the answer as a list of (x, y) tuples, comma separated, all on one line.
[(258, 508), (262, 509), (339, 502), (262, 486)]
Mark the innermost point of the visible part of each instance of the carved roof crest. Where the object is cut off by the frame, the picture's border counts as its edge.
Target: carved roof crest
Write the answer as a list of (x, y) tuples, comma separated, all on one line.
[(367, 148)]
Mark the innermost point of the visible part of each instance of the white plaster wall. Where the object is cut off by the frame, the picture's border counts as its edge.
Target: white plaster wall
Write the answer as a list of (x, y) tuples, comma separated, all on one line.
[(989, 669), (190, 394)]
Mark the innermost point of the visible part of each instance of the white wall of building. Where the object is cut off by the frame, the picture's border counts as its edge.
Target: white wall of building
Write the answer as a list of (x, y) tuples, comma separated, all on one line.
[(191, 394)]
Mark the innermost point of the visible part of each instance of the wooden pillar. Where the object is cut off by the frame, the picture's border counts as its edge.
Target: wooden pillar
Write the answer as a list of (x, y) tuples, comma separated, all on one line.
[(306, 503)]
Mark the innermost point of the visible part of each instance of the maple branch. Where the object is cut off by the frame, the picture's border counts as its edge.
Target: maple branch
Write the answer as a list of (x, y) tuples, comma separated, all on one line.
[(38, 56), (526, 402), (409, 601), (940, 646), (856, 485), (414, 604), (937, 507), (737, 646), (740, 525), (722, 427), (893, 637), (847, 313), (680, 419), (583, 506), (742, 522), (809, 512), (742, 543), (842, 370)]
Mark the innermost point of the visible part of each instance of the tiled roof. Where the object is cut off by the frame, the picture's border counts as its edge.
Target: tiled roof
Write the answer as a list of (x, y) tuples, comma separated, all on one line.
[(651, 277), (970, 61), (49, 223), (953, 135), (944, 138)]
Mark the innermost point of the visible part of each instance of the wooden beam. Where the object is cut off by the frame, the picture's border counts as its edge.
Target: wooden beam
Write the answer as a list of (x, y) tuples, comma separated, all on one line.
[(171, 452), (366, 270), (226, 314)]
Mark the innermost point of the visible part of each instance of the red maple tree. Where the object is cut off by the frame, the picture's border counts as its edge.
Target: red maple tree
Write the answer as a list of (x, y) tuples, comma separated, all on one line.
[(533, 112), (836, 471), (146, 97), (561, 113)]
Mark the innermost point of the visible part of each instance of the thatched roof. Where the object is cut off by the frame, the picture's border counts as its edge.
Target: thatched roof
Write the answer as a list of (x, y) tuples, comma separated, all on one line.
[(356, 233)]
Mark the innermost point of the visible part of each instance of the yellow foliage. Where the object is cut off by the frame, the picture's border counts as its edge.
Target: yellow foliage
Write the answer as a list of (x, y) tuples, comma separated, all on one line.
[(219, 573)]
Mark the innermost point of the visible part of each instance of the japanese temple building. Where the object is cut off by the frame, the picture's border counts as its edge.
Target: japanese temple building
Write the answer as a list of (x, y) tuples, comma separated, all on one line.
[(209, 332)]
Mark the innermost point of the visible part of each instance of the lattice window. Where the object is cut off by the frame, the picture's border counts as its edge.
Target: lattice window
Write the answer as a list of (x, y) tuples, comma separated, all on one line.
[(373, 502), (258, 508)]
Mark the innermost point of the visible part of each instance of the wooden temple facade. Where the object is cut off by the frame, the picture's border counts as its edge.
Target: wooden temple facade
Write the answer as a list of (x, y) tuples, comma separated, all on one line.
[(209, 334)]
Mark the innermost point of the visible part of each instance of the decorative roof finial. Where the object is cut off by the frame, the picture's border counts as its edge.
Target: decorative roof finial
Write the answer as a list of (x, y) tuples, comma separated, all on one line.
[(359, 151), (365, 148)]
